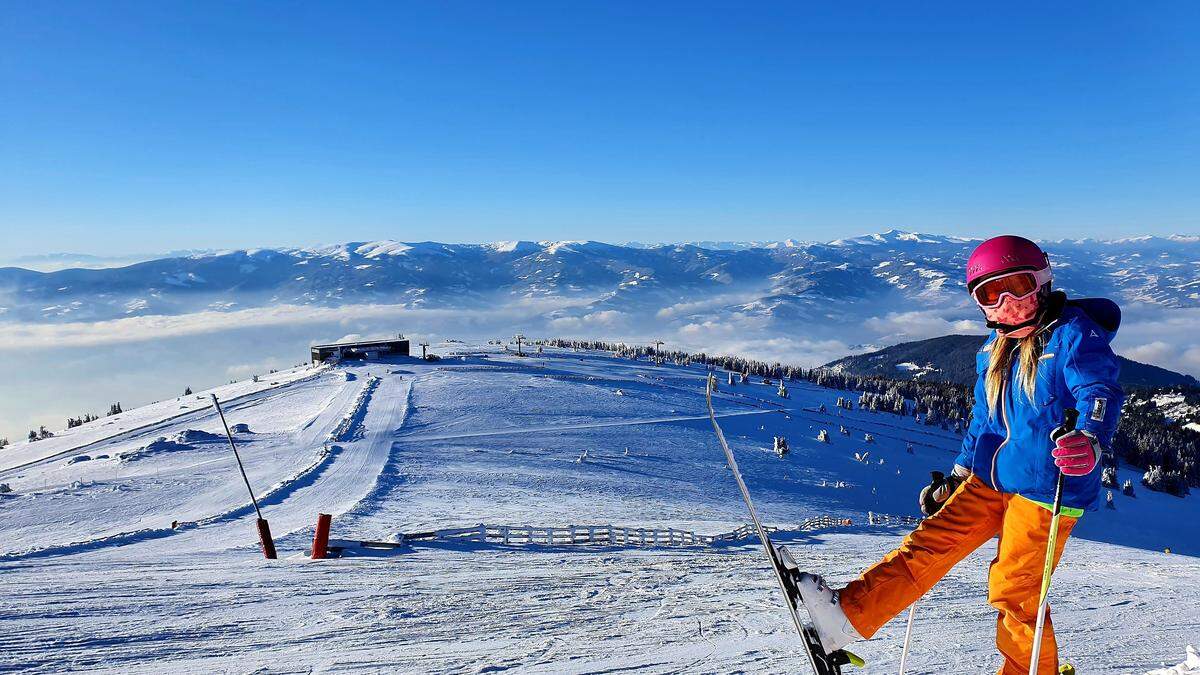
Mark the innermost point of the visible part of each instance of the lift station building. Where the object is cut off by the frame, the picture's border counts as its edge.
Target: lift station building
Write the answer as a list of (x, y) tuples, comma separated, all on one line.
[(360, 351)]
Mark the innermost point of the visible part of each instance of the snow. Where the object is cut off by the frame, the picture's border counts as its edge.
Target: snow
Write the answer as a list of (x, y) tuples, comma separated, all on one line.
[(182, 279), (96, 577), (144, 420), (1190, 665), (378, 249), (913, 370), (553, 247), (511, 246)]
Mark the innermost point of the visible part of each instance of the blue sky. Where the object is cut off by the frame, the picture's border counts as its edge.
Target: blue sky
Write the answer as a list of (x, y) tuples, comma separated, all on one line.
[(129, 126)]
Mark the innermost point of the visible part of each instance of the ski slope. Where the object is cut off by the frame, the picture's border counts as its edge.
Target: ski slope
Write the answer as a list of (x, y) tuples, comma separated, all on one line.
[(97, 577)]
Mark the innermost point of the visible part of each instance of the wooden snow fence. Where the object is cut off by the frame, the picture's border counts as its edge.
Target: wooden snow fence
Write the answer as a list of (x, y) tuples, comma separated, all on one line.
[(578, 535), (891, 519), (595, 535)]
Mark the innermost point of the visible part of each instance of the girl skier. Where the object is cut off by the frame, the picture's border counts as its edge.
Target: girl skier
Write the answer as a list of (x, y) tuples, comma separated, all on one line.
[(1046, 353)]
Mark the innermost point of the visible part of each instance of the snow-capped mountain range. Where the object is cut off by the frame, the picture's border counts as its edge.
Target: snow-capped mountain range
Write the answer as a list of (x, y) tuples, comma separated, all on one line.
[(781, 281)]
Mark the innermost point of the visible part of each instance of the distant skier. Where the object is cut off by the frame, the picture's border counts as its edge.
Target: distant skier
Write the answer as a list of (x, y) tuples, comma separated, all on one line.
[(1046, 353)]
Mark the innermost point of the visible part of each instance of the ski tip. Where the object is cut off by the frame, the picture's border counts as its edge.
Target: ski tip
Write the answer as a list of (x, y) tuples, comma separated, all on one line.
[(854, 659)]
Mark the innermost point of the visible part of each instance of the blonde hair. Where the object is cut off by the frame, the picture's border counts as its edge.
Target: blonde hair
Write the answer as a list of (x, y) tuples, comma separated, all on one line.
[(1028, 350)]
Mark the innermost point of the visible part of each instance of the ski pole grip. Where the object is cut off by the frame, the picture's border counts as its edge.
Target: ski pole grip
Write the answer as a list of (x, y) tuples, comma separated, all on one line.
[(1070, 419)]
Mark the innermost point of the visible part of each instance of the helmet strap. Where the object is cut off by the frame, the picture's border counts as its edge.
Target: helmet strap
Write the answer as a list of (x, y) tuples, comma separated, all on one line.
[(1010, 328)]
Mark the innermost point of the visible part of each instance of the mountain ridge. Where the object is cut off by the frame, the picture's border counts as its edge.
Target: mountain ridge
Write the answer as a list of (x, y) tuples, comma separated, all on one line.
[(780, 280), (951, 358)]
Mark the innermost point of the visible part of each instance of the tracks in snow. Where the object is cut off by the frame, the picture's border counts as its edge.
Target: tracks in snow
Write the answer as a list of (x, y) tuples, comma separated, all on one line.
[(572, 427), (337, 486)]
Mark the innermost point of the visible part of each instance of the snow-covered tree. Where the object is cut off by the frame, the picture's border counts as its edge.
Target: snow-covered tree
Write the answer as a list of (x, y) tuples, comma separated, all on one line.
[(1163, 480), (781, 446)]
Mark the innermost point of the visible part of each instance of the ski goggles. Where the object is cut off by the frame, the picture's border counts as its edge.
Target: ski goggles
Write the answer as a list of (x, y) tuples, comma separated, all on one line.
[(1018, 285)]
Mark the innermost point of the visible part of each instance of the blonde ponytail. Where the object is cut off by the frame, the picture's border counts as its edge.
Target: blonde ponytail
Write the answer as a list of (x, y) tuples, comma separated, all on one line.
[(1028, 350)]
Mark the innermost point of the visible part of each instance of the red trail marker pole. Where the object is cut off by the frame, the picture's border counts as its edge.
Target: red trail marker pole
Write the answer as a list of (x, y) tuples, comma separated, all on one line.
[(264, 530), (321, 538)]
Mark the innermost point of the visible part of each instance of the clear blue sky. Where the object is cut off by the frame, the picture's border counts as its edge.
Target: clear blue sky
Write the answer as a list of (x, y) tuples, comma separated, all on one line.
[(144, 126)]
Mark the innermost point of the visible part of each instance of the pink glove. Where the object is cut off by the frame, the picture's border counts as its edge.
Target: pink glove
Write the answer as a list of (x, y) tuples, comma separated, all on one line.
[(1076, 453)]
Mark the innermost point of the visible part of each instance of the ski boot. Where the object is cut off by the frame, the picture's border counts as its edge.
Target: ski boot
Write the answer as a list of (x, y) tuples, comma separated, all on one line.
[(826, 612), (830, 630)]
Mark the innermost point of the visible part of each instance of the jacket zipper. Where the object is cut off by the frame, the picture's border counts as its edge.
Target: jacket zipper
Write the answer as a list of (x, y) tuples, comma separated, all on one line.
[(1003, 411), (1007, 432)]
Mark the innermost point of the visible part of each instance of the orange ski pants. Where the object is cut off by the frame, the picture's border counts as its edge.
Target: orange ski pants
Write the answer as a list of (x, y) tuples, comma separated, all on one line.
[(972, 515)]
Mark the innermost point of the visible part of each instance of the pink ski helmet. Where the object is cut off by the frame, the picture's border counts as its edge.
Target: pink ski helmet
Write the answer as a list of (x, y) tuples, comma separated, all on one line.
[(1008, 277), (1001, 254)]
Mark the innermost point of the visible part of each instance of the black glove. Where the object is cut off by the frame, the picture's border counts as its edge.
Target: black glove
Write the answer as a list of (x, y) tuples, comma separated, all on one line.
[(938, 491)]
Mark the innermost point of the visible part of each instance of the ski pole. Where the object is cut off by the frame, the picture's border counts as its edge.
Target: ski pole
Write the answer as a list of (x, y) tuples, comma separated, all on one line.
[(264, 530), (1070, 417), (912, 612)]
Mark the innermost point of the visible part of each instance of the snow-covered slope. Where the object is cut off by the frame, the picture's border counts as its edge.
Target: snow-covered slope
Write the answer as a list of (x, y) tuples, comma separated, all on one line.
[(97, 577)]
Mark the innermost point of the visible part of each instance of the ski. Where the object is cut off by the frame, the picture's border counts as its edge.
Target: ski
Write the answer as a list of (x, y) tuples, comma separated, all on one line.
[(784, 566)]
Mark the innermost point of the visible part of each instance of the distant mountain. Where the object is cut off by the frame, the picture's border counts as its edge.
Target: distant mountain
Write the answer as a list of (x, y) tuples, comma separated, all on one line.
[(952, 358), (53, 262), (781, 285)]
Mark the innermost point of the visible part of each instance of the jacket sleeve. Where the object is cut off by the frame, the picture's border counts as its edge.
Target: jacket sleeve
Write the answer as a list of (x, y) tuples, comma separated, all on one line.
[(979, 413), (1090, 372)]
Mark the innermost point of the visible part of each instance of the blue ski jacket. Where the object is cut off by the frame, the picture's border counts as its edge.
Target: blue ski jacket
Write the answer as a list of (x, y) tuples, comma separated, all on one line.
[(1010, 451)]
